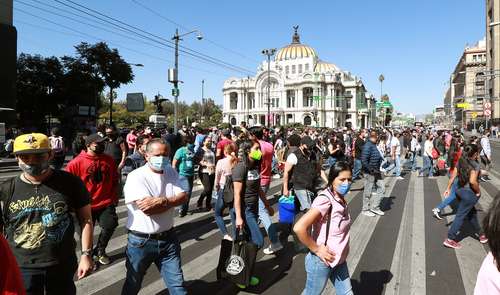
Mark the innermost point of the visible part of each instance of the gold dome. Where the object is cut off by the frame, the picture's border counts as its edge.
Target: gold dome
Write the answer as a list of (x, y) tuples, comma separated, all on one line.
[(322, 67), (295, 50)]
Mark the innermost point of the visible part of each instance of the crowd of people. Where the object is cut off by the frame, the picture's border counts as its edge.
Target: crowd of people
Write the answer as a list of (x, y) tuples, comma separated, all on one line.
[(154, 171)]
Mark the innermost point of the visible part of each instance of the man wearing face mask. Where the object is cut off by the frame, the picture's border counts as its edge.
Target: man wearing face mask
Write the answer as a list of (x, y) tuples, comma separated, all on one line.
[(303, 168), (371, 159), (137, 159), (36, 218), (151, 194), (98, 173)]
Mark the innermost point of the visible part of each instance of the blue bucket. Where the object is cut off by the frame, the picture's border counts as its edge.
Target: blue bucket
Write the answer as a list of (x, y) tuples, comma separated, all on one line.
[(287, 212)]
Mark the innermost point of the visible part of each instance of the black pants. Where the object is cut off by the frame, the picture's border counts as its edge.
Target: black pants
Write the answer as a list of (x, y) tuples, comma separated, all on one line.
[(108, 221), (208, 185), (52, 280)]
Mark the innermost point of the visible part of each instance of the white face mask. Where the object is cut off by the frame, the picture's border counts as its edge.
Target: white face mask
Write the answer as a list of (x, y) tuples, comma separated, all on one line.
[(158, 163)]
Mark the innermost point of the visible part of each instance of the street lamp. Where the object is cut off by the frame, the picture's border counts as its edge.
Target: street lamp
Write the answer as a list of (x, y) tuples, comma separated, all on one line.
[(111, 98), (269, 52), (492, 24), (173, 74), (381, 78)]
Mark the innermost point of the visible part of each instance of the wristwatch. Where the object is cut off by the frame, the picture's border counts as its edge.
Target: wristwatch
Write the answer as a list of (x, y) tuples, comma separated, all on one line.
[(87, 252)]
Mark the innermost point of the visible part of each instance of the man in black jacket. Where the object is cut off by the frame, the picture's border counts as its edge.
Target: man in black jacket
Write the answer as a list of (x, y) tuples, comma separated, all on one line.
[(371, 159)]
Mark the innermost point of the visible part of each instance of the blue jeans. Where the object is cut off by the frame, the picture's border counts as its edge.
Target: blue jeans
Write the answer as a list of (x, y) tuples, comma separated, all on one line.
[(186, 183), (266, 219), (451, 197), (57, 279), (219, 207), (165, 254), (466, 210), (305, 198), (356, 168), (413, 161), (318, 273), (427, 166), (251, 226), (395, 165)]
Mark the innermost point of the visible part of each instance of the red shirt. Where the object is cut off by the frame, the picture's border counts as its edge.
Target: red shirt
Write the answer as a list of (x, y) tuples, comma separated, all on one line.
[(100, 177), (267, 150), (11, 282), (222, 144), (131, 138)]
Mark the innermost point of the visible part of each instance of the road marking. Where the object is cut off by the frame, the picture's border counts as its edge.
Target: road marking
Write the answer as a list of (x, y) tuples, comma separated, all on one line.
[(471, 254)]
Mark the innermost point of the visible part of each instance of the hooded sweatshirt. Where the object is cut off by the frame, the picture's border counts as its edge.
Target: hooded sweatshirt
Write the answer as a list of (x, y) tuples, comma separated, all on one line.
[(100, 177)]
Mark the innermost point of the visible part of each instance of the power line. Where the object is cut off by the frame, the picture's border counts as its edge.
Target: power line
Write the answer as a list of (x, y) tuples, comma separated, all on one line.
[(182, 49), (188, 29), (230, 67)]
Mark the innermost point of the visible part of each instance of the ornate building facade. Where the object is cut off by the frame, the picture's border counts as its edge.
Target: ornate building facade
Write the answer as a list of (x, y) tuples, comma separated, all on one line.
[(303, 89)]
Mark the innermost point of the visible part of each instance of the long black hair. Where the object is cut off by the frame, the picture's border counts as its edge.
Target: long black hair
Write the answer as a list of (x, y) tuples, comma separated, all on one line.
[(336, 169), (465, 165), (244, 148), (491, 226)]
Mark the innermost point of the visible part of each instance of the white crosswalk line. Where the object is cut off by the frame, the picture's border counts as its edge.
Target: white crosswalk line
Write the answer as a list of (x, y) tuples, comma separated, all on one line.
[(470, 256)]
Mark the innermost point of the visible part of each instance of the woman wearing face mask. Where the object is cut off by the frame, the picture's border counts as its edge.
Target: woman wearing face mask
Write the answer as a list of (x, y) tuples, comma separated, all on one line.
[(207, 173), (468, 172), (247, 190), (329, 241)]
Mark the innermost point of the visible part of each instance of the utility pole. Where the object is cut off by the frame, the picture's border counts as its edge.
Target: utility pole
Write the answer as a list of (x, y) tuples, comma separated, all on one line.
[(173, 74), (269, 52), (202, 98)]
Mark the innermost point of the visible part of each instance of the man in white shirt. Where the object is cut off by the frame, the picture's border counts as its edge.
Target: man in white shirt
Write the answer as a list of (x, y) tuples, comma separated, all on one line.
[(485, 154), (151, 194), (395, 155)]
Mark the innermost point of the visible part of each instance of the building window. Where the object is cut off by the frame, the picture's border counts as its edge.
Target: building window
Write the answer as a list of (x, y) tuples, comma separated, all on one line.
[(233, 121), (348, 102), (287, 70), (251, 100), (307, 97), (300, 69), (233, 100), (474, 57), (290, 98), (293, 69), (307, 120), (306, 68), (275, 102), (348, 116), (289, 118), (262, 119)]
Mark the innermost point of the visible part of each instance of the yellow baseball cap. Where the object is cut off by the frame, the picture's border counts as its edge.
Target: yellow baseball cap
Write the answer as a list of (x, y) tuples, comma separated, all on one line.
[(33, 143)]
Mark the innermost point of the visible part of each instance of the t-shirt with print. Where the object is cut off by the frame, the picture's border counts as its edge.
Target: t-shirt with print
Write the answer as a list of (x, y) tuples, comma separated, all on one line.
[(340, 223), (251, 186), (143, 182), (39, 225), (185, 156)]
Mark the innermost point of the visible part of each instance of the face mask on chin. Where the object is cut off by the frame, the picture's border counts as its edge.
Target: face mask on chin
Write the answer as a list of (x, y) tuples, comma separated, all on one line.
[(34, 169)]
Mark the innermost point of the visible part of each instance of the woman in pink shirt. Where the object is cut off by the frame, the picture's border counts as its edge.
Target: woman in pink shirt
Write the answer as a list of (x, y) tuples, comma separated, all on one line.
[(222, 169), (329, 241), (488, 277)]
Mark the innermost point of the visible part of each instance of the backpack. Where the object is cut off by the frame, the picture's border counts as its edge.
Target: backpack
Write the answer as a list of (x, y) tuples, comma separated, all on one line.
[(6, 192)]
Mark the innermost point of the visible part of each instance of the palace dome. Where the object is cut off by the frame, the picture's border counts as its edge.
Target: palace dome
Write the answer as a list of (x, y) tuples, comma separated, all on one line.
[(296, 50), (322, 67)]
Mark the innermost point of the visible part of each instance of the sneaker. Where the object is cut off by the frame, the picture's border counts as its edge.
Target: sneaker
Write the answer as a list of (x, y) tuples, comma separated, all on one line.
[(254, 281), (378, 212), (400, 178), (436, 212), (368, 213), (273, 248), (103, 259), (228, 237), (452, 244), (483, 239), (276, 176)]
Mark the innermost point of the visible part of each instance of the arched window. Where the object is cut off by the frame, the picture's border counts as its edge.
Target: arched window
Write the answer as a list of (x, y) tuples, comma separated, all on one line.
[(307, 120), (233, 100), (233, 121)]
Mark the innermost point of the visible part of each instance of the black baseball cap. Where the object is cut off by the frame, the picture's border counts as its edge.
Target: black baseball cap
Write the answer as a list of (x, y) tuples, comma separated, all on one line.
[(93, 138)]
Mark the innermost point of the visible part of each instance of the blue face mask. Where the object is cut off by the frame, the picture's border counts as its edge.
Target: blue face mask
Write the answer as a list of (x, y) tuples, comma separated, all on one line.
[(159, 163), (344, 188)]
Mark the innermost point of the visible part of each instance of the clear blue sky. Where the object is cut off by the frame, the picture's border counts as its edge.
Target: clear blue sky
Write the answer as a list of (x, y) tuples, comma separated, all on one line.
[(414, 43)]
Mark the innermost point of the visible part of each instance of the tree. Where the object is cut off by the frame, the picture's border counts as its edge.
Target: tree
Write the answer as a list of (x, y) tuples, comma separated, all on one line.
[(106, 64)]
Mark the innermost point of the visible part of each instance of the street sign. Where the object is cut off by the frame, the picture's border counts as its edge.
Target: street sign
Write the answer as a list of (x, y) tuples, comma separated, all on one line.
[(135, 102), (487, 112), (474, 115), (175, 91), (464, 105), (487, 105)]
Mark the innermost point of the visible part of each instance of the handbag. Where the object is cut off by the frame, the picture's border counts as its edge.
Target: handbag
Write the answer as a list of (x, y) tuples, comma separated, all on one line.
[(238, 268), (435, 153)]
